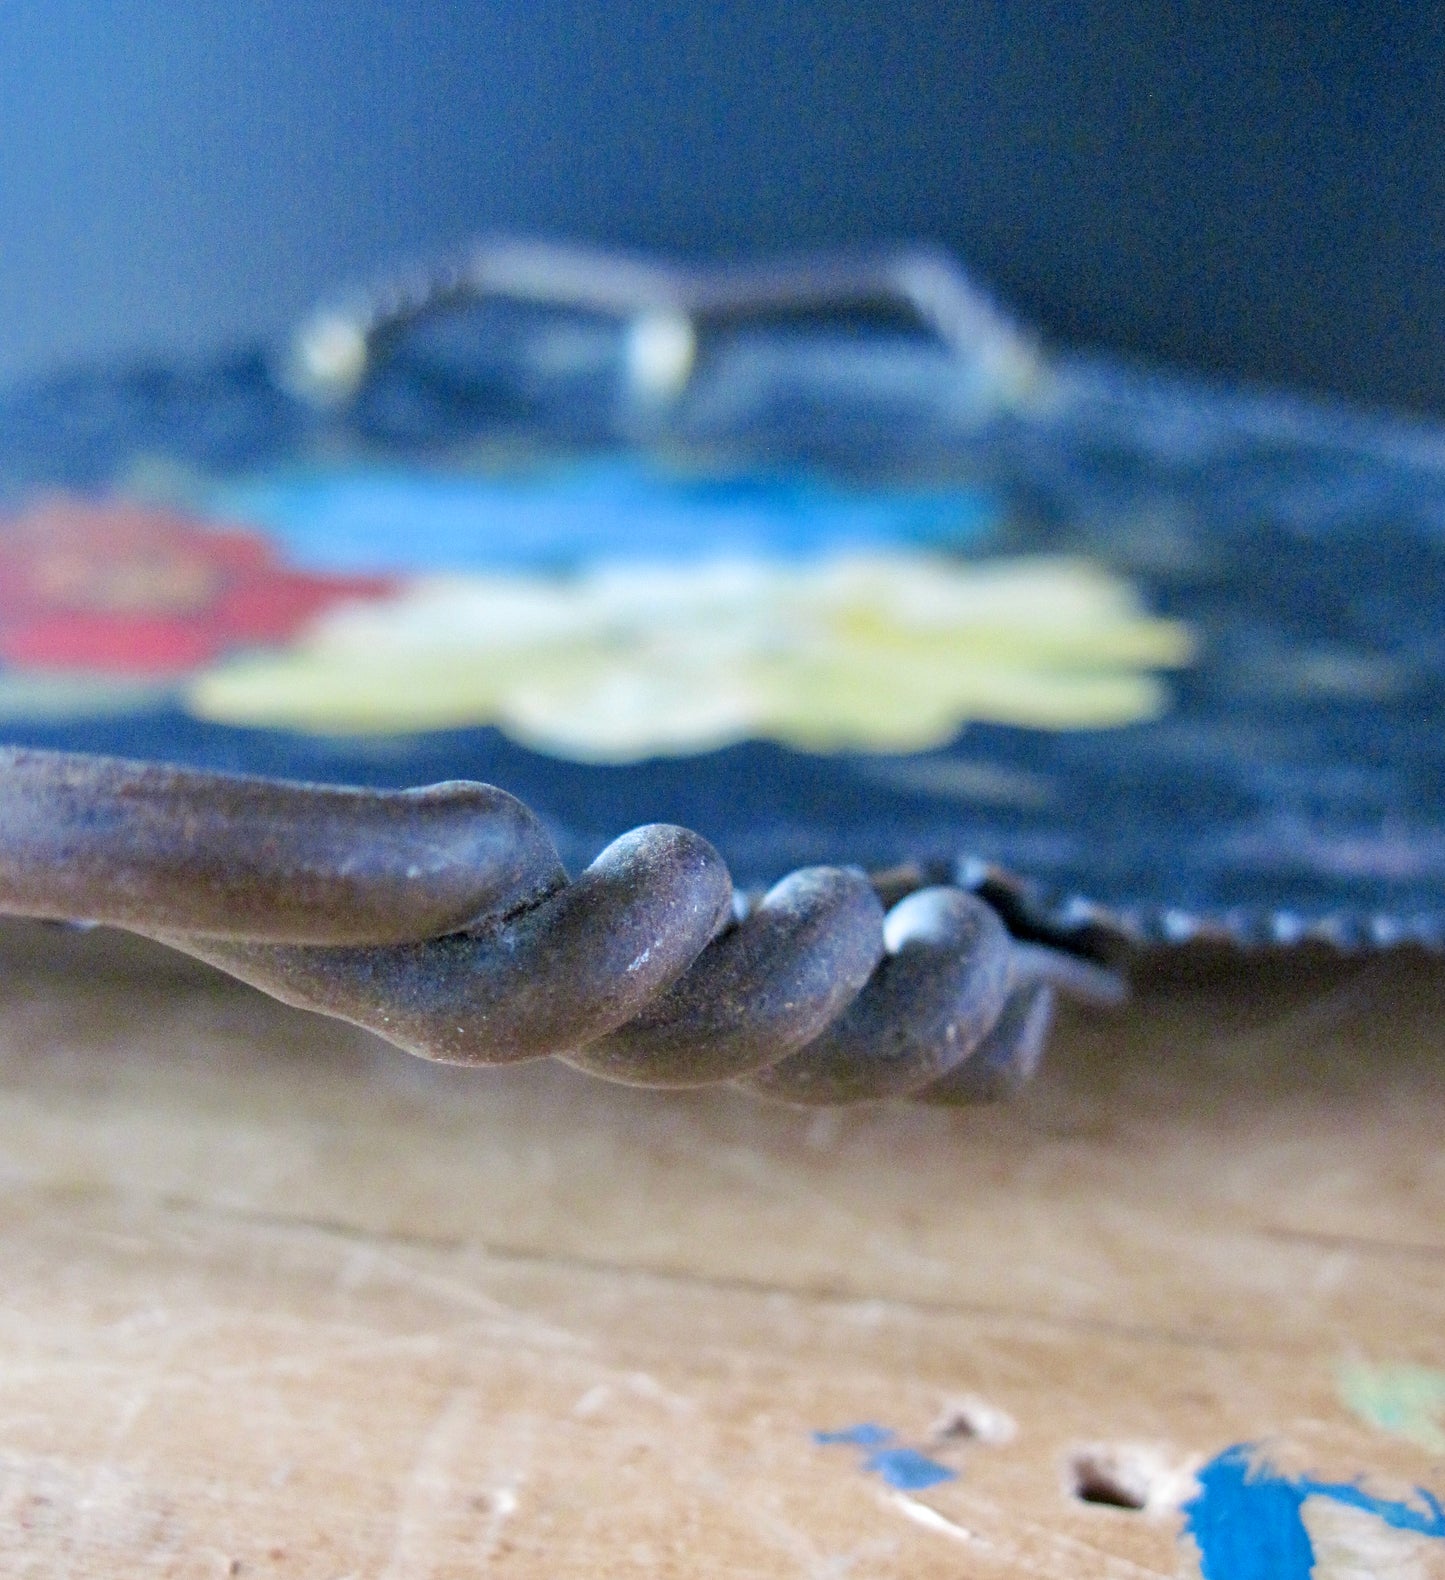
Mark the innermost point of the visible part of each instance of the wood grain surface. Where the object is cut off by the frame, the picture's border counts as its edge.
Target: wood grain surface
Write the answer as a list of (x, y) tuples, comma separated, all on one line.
[(276, 1300)]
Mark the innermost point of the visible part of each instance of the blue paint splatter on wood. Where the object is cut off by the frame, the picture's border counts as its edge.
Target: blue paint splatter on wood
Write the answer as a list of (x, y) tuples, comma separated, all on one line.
[(865, 1435), (1426, 1518), (908, 1470), (904, 1468), (1247, 1523)]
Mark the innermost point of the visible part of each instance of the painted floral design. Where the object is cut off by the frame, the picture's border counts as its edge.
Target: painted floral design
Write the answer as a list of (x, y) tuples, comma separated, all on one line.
[(107, 604), (886, 651), (137, 594)]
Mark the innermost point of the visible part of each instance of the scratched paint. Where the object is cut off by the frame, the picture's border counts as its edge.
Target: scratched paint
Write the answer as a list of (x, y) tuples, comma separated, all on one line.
[(1405, 1401), (902, 1468), (907, 1469), (1248, 1521), (867, 1434)]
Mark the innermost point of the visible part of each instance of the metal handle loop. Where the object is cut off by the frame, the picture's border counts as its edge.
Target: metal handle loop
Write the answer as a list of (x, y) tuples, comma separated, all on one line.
[(442, 919), (668, 306)]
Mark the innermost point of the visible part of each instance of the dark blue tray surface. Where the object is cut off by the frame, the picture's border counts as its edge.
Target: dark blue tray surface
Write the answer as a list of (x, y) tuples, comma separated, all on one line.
[(1245, 734)]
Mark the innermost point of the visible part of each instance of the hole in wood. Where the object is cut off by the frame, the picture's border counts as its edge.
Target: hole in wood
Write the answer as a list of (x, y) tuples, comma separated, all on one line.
[(974, 1420), (1118, 1477)]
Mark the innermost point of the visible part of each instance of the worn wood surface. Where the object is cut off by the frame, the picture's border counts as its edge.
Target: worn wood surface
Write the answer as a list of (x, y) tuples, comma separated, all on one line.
[(278, 1301)]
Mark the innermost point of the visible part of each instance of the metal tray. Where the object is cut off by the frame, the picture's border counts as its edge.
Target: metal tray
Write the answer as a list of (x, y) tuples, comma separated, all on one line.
[(828, 562)]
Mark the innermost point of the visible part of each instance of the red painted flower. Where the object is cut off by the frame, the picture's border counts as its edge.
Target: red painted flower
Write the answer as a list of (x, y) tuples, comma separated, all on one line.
[(130, 590)]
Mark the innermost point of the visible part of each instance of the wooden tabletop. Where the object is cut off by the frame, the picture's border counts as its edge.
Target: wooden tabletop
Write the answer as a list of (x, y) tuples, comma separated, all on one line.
[(276, 1300)]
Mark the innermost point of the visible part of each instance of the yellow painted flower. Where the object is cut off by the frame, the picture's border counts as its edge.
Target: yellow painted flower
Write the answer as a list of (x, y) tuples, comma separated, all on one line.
[(883, 652)]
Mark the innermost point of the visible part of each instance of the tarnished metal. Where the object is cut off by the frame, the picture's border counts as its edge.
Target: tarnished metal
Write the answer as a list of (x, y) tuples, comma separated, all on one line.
[(152, 847), (441, 918)]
